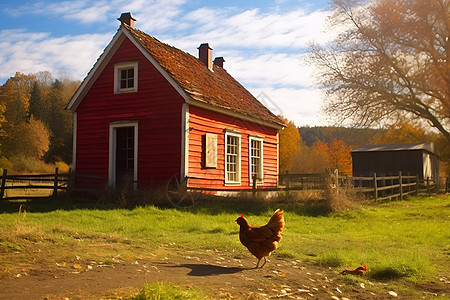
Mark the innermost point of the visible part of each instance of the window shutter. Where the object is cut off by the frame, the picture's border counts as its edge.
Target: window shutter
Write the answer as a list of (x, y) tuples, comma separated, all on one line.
[(211, 151)]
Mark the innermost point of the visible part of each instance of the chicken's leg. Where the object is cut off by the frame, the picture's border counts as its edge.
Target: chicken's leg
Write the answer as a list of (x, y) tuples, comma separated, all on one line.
[(265, 260), (257, 264)]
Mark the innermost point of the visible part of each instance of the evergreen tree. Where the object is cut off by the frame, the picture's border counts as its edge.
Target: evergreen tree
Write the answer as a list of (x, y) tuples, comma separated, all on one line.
[(35, 104)]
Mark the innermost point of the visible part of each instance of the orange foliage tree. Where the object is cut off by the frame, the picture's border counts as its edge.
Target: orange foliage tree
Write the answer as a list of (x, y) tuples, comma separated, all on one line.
[(338, 153), (402, 133), (290, 142)]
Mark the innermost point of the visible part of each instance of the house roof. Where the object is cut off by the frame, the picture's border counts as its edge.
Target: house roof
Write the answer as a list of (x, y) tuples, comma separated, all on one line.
[(429, 147), (214, 88)]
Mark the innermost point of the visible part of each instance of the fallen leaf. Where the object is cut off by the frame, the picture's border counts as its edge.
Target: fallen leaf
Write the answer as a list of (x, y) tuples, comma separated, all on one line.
[(393, 294), (61, 264), (77, 266), (362, 285)]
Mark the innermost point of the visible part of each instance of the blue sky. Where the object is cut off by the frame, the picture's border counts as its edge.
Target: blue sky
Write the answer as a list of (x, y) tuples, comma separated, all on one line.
[(263, 42)]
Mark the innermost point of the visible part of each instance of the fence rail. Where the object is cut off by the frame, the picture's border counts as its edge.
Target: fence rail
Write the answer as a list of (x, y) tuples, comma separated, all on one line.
[(376, 187), (21, 184)]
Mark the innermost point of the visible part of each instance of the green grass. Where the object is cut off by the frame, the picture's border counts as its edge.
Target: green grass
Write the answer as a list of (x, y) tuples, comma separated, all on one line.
[(162, 291), (397, 240)]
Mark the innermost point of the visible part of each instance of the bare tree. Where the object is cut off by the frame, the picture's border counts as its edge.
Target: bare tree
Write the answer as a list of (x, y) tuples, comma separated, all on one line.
[(389, 62)]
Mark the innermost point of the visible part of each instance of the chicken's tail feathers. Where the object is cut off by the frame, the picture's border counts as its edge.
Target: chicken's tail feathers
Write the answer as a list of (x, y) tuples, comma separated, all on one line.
[(276, 221)]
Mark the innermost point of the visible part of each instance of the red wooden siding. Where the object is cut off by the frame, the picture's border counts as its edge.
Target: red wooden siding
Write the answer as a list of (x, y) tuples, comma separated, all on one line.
[(203, 121), (156, 106)]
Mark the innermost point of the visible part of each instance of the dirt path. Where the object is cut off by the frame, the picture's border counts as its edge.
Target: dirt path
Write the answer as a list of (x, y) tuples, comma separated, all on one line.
[(216, 275)]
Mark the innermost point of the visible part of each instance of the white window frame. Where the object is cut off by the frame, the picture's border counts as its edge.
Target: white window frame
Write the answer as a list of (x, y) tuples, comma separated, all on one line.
[(121, 66), (238, 159), (250, 165)]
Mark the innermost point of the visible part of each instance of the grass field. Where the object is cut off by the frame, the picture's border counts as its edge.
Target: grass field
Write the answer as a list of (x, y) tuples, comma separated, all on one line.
[(399, 241)]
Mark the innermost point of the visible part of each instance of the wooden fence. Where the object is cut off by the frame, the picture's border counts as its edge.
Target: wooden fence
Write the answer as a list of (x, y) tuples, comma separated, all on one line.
[(31, 186), (375, 187)]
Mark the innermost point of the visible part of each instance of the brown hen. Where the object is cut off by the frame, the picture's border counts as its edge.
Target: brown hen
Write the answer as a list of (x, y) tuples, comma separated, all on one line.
[(261, 240)]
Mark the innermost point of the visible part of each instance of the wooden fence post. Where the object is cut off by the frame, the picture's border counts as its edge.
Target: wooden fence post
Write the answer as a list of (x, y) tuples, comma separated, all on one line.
[(375, 189), (69, 181), (2, 192), (417, 184), (55, 185), (447, 182), (400, 180)]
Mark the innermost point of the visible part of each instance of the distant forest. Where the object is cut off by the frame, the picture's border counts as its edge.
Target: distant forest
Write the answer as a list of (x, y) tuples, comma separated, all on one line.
[(354, 137)]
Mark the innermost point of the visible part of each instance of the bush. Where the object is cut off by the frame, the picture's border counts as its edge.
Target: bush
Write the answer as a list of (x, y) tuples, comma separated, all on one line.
[(337, 197), (23, 164)]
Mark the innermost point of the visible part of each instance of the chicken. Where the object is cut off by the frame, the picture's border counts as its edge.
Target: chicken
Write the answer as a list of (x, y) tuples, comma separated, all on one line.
[(358, 271), (261, 240)]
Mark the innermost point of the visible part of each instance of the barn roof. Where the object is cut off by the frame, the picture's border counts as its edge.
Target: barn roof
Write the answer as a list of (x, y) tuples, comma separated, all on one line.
[(215, 87), (429, 147)]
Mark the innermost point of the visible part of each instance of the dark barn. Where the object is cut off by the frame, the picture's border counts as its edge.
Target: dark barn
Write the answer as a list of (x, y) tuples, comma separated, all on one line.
[(386, 160)]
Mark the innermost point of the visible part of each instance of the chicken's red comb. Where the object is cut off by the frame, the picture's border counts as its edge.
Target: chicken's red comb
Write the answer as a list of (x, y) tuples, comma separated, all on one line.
[(365, 267), (242, 215)]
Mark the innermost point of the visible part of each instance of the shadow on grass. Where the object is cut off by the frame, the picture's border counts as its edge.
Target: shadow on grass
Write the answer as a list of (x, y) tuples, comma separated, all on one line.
[(387, 274), (209, 270), (204, 204)]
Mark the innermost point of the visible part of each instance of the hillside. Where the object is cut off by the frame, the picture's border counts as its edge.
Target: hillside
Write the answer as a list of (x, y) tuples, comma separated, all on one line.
[(351, 136)]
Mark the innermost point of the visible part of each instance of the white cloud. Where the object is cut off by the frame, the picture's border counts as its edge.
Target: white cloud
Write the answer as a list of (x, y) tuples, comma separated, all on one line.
[(263, 49), (155, 16), (301, 105), (252, 29), (271, 69), (33, 52)]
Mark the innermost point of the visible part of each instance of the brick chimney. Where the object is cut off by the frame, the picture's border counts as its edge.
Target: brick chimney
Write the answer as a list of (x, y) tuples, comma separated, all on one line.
[(218, 61), (127, 18), (205, 55)]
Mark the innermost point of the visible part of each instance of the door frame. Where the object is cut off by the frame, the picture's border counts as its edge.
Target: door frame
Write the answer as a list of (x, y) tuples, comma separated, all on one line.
[(112, 150)]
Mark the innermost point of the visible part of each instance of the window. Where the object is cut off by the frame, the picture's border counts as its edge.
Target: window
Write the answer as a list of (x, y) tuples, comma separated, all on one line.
[(125, 77), (232, 158), (126, 80), (256, 159)]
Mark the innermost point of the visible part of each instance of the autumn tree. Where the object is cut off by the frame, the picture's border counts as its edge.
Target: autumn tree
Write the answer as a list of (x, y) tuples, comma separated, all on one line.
[(310, 160), (338, 154), (402, 133), (290, 142), (389, 62), (32, 113), (29, 139), (14, 96)]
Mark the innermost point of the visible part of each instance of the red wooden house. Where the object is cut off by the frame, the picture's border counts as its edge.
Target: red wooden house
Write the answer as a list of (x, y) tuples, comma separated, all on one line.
[(147, 112)]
